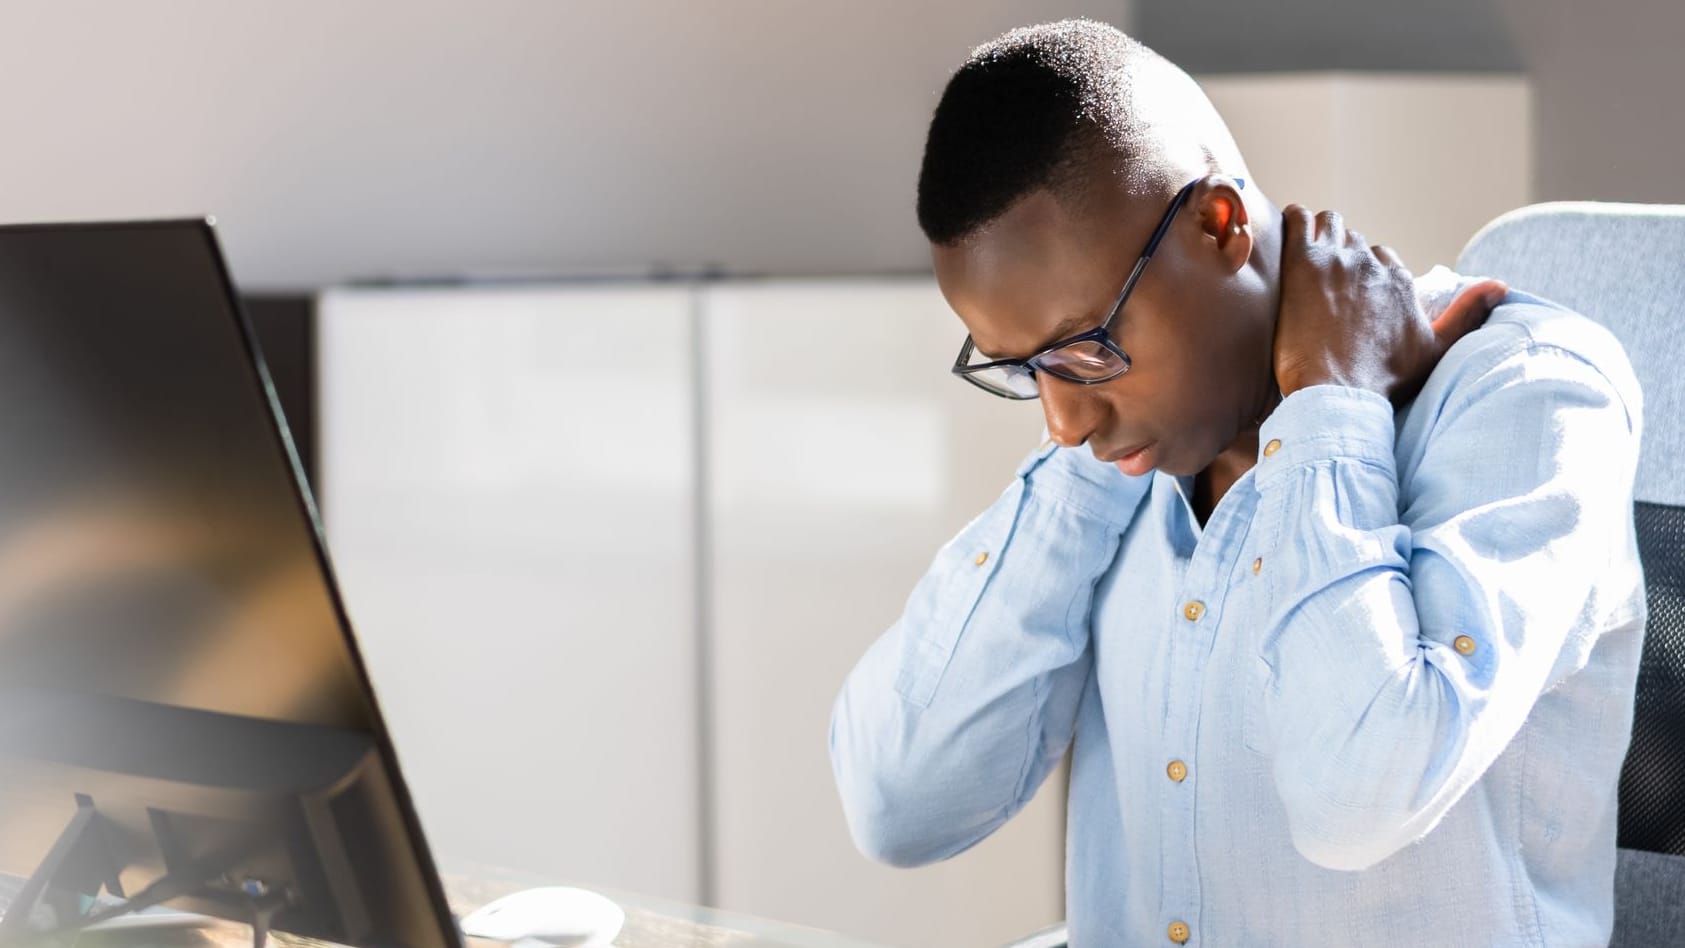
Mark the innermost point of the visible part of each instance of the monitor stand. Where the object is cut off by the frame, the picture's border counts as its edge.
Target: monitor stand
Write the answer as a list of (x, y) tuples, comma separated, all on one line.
[(69, 861)]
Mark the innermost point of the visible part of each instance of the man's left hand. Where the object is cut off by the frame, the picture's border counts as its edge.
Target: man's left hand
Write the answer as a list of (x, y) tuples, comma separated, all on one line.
[(1349, 316)]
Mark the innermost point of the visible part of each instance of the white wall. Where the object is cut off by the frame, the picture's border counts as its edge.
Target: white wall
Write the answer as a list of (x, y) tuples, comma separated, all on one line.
[(1606, 77), (1416, 161), (337, 140)]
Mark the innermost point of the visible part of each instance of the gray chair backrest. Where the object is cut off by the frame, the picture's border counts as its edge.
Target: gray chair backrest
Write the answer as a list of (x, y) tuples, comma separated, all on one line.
[(1623, 265)]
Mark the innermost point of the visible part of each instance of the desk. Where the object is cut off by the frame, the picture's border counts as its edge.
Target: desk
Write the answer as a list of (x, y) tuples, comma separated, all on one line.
[(650, 922)]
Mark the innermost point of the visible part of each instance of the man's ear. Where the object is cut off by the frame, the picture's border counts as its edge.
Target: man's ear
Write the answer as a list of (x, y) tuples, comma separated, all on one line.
[(1223, 218)]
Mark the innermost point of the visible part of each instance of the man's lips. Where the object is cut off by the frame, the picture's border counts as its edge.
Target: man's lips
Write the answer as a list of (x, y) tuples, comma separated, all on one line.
[(1126, 453), (1139, 461)]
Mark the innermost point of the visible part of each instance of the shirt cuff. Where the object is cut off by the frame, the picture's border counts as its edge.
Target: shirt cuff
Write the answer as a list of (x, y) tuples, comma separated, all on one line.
[(1322, 422)]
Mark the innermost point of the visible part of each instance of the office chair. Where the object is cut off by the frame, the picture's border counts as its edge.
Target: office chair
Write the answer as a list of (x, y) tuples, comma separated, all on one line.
[(1622, 265)]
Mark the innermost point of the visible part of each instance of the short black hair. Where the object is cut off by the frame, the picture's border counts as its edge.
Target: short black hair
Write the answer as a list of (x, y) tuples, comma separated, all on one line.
[(1032, 109)]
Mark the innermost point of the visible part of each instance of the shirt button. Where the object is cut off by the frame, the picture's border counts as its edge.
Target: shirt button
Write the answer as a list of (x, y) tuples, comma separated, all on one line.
[(1177, 770), (1179, 932), (982, 557), (1464, 645), (1272, 447), (1257, 566), (1193, 610)]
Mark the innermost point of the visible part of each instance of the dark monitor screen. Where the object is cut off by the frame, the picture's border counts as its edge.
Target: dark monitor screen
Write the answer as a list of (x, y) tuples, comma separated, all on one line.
[(184, 719)]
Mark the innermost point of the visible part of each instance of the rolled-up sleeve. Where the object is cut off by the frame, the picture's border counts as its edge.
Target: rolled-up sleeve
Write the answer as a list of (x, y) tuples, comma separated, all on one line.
[(1412, 630), (953, 718)]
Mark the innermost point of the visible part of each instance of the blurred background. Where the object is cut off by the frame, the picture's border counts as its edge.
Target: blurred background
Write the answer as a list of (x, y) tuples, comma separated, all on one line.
[(609, 338)]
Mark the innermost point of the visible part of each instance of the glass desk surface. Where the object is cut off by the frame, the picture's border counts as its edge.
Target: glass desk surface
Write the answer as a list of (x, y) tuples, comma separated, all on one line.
[(650, 922)]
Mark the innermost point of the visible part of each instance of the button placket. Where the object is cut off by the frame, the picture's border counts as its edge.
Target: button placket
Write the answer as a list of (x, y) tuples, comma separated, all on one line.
[(1213, 573), (1204, 591)]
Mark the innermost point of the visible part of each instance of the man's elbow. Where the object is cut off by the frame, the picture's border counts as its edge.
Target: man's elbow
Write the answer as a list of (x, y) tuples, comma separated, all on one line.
[(1341, 837), (883, 837), (875, 808), (896, 815), (1343, 854), (1351, 807)]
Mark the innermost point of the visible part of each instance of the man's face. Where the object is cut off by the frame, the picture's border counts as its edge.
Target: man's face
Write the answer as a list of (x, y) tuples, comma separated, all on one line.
[(1197, 328)]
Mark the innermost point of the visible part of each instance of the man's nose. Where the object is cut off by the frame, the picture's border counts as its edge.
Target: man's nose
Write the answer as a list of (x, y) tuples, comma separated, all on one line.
[(1072, 413)]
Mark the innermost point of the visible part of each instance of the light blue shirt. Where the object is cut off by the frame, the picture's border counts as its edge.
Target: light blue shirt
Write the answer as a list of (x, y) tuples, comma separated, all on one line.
[(1381, 698)]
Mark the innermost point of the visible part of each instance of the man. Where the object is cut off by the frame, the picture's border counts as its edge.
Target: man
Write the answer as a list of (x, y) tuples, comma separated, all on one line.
[(1339, 611)]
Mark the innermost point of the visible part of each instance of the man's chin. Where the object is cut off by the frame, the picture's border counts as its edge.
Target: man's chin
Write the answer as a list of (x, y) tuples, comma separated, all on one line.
[(1155, 457)]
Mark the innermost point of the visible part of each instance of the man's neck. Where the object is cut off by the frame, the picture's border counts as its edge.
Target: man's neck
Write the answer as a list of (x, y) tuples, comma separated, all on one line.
[(1212, 483), (1242, 453)]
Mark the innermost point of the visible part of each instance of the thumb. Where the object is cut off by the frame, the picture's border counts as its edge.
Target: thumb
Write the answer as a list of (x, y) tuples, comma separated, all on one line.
[(1468, 310)]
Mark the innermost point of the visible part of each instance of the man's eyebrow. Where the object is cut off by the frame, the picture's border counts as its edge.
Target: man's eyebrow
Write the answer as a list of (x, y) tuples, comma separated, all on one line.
[(1067, 328)]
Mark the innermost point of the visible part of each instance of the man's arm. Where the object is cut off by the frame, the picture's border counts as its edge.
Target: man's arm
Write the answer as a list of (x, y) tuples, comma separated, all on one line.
[(955, 716), (1409, 641)]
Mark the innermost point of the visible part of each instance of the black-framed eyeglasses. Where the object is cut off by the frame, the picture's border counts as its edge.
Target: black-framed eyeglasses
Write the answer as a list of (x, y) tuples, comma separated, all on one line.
[(1086, 359)]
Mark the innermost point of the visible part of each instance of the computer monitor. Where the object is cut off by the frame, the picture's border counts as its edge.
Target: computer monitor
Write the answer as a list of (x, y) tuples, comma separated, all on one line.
[(184, 717)]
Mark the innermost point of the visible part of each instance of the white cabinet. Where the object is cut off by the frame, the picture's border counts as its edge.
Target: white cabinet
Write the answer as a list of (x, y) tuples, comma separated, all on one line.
[(842, 455), (508, 482), (511, 484)]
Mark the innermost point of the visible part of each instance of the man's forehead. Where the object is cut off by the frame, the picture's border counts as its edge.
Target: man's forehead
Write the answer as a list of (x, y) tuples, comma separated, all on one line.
[(1016, 306), (1045, 270), (1042, 338)]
